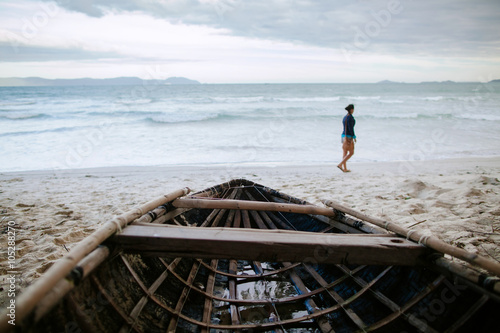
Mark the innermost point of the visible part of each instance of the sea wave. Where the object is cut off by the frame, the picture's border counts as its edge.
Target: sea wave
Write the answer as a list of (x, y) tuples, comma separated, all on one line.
[(135, 101), (391, 101), (262, 115), (49, 130), (407, 115), (363, 98), (171, 118), (307, 99), (120, 112), (478, 116), (17, 103), (432, 98), (250, 99), (410, 115), (23, 116)]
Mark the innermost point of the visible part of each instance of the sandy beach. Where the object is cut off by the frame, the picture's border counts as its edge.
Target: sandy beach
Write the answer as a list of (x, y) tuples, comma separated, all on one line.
[(456, 200)]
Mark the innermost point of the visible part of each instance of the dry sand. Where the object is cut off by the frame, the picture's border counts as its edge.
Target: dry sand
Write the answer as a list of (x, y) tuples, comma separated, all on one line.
[(456, 200)]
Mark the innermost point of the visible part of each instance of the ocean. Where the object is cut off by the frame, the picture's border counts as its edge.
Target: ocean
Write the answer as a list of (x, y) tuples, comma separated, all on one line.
[(46, 128)]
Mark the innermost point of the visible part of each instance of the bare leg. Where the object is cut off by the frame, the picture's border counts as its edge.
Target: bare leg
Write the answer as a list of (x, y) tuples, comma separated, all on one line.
[(341, 165), (348, 151)]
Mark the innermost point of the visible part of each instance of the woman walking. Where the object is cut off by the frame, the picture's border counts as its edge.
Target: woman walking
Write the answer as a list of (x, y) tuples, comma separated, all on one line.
[(348, 138)]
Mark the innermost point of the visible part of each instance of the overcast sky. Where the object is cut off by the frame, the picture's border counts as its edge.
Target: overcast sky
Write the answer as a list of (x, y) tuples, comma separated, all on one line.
[(236, 41)]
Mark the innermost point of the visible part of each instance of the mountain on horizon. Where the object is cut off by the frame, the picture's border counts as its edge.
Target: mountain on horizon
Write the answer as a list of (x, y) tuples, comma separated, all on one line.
[(119, 81)]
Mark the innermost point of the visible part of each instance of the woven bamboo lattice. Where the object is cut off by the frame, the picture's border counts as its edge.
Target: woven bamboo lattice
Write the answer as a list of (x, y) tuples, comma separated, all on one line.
[(135, 291)]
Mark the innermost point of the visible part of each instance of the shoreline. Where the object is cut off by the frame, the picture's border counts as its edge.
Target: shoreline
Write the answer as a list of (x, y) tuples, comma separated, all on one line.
[(403, 167), (455, 200)]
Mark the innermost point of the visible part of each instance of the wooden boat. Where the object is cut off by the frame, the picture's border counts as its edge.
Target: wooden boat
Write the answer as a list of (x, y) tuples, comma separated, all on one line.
[(241, 257)]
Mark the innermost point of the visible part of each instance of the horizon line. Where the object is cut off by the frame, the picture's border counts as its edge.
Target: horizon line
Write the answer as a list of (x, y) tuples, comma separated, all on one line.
[(210, 83)]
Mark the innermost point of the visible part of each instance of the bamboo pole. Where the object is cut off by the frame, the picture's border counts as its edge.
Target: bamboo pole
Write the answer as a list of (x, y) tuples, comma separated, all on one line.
[(246, 219), (489, 283), (260, 216), (87, 265), (251, 205), (430, 241), (207, 309), (152, 215), (170, 215), (26, 302)]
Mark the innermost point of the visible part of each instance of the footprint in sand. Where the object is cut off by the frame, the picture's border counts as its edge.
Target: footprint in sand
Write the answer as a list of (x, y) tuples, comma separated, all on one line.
[(417, 209), (473, 192)]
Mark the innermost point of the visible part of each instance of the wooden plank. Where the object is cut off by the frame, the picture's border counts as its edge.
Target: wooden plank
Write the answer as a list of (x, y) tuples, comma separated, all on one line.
[(269, 245), (252, 205)]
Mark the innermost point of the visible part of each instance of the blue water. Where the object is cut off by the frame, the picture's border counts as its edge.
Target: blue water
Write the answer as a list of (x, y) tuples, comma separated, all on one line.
[(79, 127)]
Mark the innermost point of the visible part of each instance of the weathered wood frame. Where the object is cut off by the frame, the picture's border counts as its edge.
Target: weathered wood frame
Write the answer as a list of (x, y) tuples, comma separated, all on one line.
[(270, 245)]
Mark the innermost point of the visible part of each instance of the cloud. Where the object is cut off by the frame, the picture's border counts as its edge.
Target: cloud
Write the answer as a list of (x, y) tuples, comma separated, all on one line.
[(446, 27), (253, 41), (24, 53)]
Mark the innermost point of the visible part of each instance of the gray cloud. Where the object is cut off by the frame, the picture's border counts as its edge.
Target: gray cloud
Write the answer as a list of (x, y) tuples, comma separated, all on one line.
[(11, 52), (446, 27)]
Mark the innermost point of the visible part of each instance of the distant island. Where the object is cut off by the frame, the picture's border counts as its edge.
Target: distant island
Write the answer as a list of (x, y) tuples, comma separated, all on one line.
[(425, 82), (119, 81), (135, 81), (388, 82), (432, 82)]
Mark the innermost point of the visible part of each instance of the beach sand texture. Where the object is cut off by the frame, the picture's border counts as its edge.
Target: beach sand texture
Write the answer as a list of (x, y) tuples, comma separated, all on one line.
[(455, 200)]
